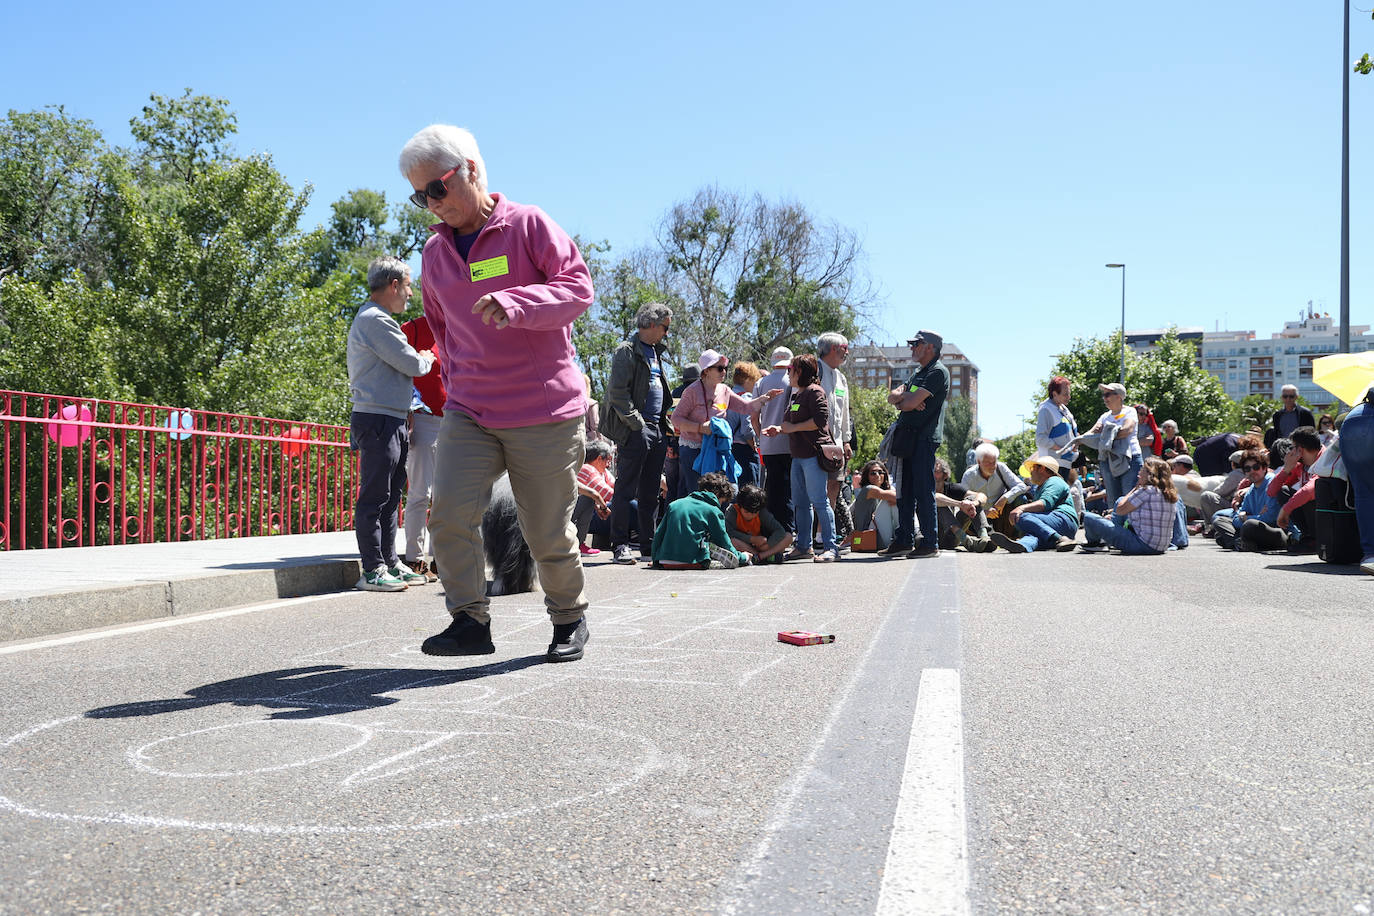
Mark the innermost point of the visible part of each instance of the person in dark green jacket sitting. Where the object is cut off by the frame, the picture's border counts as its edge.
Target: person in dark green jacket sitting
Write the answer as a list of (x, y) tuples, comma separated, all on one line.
[(692, 533)]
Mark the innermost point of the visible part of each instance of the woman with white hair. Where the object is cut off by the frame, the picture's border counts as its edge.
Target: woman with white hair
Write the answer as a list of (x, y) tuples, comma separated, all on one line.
[(503, 284)]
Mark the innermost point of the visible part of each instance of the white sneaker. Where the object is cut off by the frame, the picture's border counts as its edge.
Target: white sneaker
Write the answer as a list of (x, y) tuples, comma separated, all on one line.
[(1367, 565), (379, 580), (825, 556), (407, 575), (622, 555)]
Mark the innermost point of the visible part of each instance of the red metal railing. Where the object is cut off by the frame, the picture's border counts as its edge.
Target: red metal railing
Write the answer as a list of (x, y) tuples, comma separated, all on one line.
[(82, 471)]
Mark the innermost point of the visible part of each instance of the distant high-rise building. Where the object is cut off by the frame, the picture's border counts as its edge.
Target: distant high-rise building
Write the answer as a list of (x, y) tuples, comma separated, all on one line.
[(872, 366), (1249, 365)]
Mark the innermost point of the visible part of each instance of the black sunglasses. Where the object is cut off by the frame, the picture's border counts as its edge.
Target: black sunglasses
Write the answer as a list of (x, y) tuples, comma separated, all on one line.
[(1247, 468), (435, 190)]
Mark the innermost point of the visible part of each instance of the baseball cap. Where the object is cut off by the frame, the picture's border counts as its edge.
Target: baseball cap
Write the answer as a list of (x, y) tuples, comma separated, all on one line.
[(1113, 388), (711, 358), (781, 358), (930, 337)]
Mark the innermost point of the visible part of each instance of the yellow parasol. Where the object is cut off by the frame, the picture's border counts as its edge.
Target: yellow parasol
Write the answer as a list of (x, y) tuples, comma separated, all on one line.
[(1346, 375)]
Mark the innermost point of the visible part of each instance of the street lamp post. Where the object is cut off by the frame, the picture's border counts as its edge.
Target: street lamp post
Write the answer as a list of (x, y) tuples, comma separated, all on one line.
[(1123, 320), (1345, 185)]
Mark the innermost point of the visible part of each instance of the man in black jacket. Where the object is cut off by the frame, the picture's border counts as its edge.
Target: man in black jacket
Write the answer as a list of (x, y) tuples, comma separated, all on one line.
[(1289, 418), (638, 402)]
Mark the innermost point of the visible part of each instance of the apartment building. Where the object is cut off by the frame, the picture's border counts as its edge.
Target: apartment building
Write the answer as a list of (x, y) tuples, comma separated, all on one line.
[(1247, 364), (873, 366)]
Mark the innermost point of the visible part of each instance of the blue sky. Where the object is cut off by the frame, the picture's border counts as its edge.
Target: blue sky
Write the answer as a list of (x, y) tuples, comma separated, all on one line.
[(992, 156)]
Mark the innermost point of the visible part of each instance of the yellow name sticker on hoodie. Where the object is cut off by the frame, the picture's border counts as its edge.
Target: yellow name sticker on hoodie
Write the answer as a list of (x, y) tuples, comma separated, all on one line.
[(491, 267)]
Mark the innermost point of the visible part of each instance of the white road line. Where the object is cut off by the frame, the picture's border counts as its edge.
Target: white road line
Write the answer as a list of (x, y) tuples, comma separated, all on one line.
[(927, 859), (160, 623)]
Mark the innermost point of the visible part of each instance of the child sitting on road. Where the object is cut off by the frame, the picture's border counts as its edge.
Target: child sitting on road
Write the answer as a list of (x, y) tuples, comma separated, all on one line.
[(752, 528), (692, 533)]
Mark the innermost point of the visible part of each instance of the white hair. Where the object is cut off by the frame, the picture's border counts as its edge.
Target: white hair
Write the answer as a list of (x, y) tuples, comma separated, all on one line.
[(984, 450), (1169, 423), (383, 271), (829, 341), (446, 147), (1287, 388)]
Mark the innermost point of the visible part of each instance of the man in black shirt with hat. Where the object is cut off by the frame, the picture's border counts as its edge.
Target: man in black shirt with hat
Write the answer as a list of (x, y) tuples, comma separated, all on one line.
[(915, 436)]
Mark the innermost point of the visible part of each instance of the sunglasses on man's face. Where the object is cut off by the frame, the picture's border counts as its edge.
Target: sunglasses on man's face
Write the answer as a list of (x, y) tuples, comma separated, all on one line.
[(1290, 397), (435, 190), (1248, 468)]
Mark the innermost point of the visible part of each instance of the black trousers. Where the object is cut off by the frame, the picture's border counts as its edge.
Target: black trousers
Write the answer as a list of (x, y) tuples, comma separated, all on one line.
[(639, 465), (382, 443), (777, 489)]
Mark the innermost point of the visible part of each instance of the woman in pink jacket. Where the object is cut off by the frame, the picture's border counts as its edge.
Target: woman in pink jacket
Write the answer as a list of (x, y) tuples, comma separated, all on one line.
[(702, 401), (503, 284)]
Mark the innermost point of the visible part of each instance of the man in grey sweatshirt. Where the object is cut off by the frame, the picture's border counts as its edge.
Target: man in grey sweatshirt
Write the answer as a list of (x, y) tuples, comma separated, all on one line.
[(381, 364)]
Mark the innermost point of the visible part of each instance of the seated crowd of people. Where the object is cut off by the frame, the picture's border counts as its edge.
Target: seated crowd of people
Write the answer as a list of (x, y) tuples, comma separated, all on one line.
[(1147, 493)]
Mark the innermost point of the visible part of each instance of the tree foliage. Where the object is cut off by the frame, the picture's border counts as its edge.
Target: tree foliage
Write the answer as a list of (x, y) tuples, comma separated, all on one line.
[(1167, 379), (872, 417), (960, 432), (743, 275)]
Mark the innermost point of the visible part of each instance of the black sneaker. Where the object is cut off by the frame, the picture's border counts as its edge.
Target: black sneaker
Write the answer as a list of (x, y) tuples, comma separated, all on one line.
[(923, 552), (894, 550), (1006, 543), (464, 636), (568, 641)]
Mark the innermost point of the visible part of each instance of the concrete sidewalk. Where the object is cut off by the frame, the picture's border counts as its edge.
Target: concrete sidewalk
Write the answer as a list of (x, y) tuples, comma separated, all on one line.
[(43, 592)]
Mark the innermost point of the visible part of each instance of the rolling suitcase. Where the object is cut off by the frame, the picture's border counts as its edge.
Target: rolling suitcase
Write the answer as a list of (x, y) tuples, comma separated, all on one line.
[(1338, 533)]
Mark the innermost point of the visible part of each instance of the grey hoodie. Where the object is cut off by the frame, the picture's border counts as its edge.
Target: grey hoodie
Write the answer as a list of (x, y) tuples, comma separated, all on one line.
[(381, 363)]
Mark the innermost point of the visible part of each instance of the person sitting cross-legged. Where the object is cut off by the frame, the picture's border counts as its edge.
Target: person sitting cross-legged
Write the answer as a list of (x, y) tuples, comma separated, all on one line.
[(595, 490), (1049, 519), (752, 528), (692, 533), (1256, 512), (1150, 508)]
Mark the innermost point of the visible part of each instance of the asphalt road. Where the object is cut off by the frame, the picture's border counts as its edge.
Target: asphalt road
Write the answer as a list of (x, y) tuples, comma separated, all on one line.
[(1183, 733)]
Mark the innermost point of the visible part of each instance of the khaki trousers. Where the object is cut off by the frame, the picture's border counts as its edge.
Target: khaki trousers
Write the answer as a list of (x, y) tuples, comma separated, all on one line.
[(542, 462)]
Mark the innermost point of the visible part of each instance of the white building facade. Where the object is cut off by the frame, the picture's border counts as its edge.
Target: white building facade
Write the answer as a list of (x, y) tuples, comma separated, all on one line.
[(1248, 365)]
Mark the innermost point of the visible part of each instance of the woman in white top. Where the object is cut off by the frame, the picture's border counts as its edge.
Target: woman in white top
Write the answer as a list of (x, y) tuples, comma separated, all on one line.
[(1055, 428), (1120, 457)]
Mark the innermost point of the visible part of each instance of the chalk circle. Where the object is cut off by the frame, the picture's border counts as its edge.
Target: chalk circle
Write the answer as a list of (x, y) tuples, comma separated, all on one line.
[(69, 434), (179, 424), (145, 758), (266, 784)]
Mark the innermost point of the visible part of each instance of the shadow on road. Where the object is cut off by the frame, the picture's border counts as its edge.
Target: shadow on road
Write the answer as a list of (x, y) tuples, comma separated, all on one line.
[(1318, 567), (315, 691)]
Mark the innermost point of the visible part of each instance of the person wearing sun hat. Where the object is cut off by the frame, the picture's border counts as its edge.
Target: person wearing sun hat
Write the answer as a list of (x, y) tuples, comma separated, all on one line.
[(1049, 519), (704, 400), (1119, 455)]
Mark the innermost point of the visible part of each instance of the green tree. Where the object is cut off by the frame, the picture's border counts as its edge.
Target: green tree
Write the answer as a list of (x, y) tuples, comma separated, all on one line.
[(872, 417), (960, 431), (51, 187), (745, 275), (1167, 379), (1016, 448), (620, 293)]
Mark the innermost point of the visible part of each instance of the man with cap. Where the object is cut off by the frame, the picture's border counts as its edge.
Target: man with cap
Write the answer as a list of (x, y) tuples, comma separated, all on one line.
[(777, 455), (832, 349), (638, 407), (707, 399), (1049, 519), (1118, 450), (920, 426)]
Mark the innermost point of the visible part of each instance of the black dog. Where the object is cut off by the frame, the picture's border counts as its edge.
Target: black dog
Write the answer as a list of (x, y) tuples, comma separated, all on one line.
[(503, 543)]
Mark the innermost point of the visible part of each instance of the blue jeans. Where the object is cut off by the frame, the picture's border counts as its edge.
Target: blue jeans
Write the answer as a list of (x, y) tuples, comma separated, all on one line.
[(916, 499), (1119, 485), (1043, 529), (1099, 529), (808, 492), (1357, 449), (1180, 535)]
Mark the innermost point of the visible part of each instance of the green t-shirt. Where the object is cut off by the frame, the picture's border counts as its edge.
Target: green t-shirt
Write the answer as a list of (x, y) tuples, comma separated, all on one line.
[(930, 421)]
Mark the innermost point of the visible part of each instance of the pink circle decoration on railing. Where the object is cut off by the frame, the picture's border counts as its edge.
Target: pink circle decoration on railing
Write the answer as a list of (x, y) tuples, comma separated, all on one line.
[(75, 530), (209, 493), (312, 519), (4, 535), (68, 434), (102, 449), (180, 423), (101, 487), (186, 524), (299, 435), (137, 526)]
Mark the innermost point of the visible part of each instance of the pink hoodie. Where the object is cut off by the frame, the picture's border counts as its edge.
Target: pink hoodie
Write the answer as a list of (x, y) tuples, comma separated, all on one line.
[(526, 373)]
